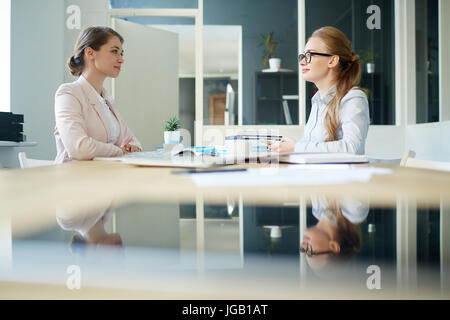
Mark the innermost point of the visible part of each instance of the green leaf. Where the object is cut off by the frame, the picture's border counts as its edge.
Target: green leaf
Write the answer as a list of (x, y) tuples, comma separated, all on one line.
[(172, 124)]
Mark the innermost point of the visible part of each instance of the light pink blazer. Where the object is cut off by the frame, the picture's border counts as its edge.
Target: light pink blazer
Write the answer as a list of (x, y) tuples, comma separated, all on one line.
[(82, 129)]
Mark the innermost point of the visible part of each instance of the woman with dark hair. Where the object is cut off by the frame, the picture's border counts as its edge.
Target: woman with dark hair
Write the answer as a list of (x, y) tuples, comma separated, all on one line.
[(87, 123), (89, 228), (339, 119)]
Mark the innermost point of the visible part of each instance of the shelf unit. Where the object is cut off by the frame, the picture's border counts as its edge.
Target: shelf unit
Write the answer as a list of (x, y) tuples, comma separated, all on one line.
[(269, 89)]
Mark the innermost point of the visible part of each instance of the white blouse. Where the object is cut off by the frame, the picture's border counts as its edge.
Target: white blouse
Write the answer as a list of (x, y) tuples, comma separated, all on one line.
[(352, 133), (355, 211)]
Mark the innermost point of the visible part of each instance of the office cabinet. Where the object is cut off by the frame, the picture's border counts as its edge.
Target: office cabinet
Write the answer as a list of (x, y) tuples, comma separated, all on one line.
[(270, 87)]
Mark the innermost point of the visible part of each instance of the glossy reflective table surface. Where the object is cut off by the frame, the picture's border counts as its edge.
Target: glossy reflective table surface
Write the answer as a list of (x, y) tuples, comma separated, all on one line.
[(127, 232)]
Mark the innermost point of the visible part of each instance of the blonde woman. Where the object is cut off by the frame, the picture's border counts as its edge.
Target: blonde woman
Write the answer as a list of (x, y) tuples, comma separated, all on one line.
[(337, 235), (87, 123), (339, 118)]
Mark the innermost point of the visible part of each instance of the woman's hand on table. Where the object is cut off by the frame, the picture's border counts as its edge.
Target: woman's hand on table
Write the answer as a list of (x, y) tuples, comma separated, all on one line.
[(285, 145), (128, 148)]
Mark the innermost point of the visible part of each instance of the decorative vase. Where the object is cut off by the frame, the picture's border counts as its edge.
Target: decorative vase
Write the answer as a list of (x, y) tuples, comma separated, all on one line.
[(370, 67), (172, 137), (275, 63)]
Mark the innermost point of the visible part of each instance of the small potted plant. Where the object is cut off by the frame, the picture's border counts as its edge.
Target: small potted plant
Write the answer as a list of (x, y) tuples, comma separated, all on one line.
[(171, 132), (368, 57), (268, 54)]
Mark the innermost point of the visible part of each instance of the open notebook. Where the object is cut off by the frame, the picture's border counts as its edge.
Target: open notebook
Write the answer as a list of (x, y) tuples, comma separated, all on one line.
[(177, 158)]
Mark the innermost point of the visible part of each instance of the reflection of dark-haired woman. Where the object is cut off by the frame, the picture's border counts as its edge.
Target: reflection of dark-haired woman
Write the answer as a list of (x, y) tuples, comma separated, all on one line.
[(337, 233), (87, 123)]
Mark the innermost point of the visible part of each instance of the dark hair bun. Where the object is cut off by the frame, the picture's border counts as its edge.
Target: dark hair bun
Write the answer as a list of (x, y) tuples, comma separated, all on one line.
[(93, 37), (75, 66)]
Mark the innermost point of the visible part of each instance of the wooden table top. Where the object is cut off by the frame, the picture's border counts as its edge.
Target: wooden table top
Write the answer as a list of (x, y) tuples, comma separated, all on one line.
[(30, 197), (91, 183)]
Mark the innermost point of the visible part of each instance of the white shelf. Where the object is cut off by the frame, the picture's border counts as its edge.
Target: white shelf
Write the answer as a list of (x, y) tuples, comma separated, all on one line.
[(277, 70), (17, 144)]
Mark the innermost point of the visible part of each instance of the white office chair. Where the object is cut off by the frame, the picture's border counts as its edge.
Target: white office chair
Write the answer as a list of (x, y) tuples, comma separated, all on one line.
[(30, 163), (408, 154), (398, 162), (409, 160)]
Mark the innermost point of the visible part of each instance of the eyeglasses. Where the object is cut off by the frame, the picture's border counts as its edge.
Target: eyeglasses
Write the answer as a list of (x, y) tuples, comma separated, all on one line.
[(308, 55), (310, 253)]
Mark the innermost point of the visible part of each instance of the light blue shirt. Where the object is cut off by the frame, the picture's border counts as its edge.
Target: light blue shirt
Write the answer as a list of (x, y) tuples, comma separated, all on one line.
[(354, 210), (352, 133)]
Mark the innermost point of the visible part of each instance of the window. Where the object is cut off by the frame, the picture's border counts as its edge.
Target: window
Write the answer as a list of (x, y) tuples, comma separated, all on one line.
[(427, 61), (374, 46), (5, 38)]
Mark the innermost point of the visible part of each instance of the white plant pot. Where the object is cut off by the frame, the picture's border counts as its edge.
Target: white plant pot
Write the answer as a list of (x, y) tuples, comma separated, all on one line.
[(172, 137), (370, 67), (275, 232), (275, 63)]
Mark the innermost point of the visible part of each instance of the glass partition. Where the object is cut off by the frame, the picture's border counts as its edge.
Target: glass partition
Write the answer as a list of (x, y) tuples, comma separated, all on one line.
[(269, 94)]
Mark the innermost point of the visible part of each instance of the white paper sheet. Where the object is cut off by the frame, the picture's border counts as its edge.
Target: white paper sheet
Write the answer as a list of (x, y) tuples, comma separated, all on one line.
[(288, 176)]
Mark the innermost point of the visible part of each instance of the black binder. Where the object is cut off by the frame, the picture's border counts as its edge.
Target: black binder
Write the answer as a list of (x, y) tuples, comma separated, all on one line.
[(11, 127), (9, 117)]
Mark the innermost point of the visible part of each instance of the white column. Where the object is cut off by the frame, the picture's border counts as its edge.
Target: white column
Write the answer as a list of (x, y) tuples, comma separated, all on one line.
[(406, 224), (198, 125), (5, 55), (445, 247), (241, 229), (405, 62), (444, 60), (200, 231), (302, 228), (301, 44)]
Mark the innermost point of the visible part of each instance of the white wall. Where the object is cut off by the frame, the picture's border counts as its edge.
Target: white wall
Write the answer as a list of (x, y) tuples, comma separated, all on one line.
[(430, 141), (385, 142), (5, 64), (37, 63)]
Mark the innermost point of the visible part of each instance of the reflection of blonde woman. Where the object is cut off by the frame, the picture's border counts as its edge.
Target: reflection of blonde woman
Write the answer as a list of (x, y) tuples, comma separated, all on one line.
[(337, 233), (339, 118)]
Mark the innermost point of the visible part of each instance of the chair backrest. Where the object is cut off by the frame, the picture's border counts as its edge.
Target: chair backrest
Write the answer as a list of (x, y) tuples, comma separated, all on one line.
[(394, 162), (408, 154), (409, 160), (30, 163), (428, 164)]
